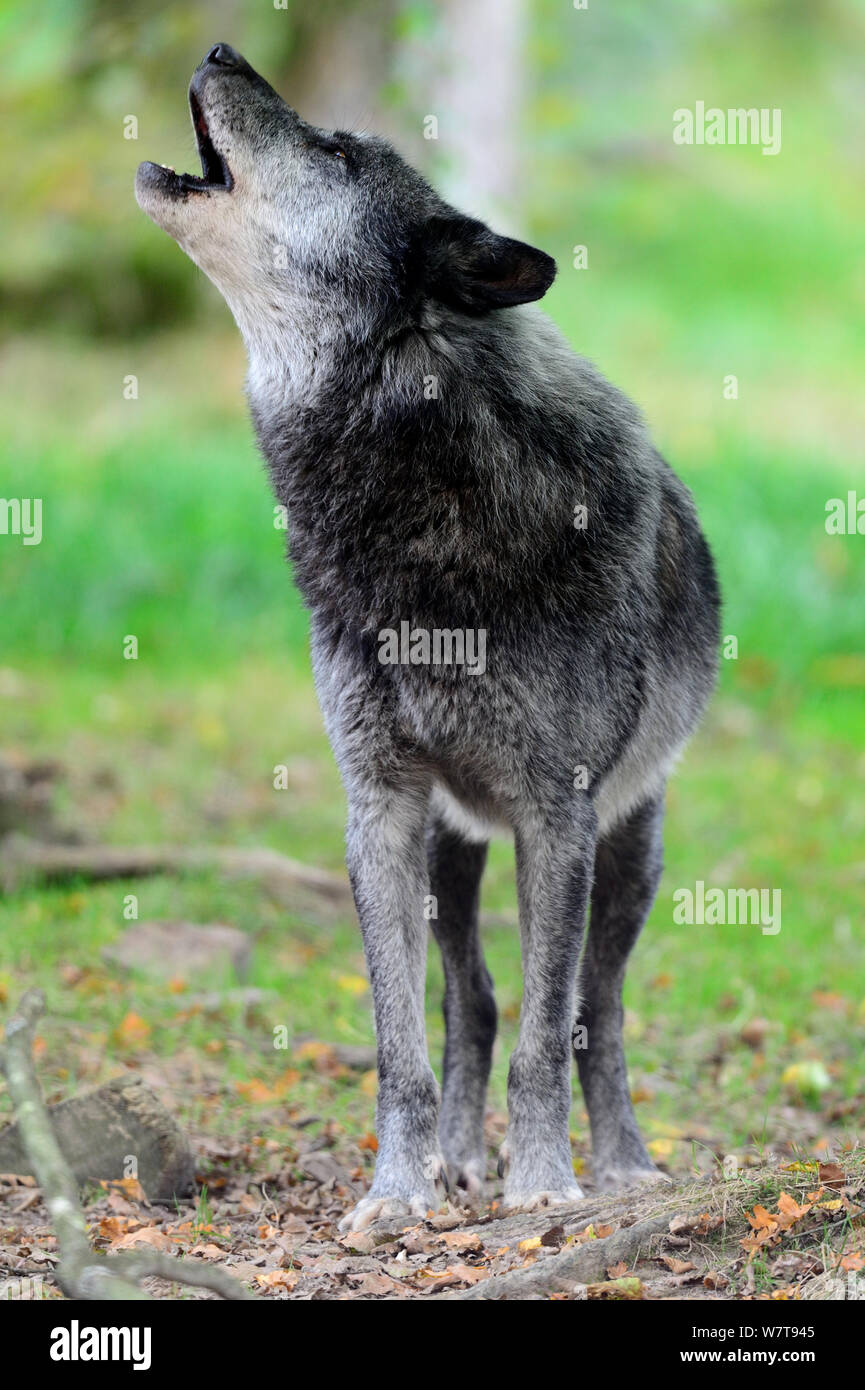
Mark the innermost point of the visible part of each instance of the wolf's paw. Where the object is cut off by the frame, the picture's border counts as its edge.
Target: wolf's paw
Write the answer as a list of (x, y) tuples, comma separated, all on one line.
[(613, 1179), (371, 1211), (466, 1181), (547, 1197)]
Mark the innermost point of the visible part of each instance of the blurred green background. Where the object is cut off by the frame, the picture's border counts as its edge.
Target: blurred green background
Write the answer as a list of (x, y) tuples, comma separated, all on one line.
[(703, 262)]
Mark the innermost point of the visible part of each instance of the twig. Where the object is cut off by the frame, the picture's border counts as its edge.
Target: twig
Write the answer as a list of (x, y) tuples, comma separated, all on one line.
[(82, 1273)]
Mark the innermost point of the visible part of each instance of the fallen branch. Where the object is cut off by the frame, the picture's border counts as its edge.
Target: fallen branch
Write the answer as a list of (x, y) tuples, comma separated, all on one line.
[(580, 1264), (23, 860), (82, 1273)]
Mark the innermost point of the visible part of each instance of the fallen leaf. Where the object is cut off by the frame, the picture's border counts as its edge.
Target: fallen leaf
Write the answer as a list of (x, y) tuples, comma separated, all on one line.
[(278, 1279), (132, 1031), (113, 1227), (147, 1235), (312, 1051), (554, 1237), (626, 1289), (462, 1240), (372, 1283), (456, 1274), (761, 1218), (255, 1091), (661, 1148), (353, 984), (130, 1188), (826, 1000), (831, 1175), (808, 1078)]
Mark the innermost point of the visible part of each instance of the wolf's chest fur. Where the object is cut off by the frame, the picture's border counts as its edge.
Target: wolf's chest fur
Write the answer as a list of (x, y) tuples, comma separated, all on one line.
[(523, 500)]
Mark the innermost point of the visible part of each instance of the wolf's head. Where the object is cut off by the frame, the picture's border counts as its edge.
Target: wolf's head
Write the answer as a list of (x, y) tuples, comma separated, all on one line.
[(290, 220)]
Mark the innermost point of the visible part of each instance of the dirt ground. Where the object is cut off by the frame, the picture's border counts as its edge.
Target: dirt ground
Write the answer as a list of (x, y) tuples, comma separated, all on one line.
[(267, 1210)]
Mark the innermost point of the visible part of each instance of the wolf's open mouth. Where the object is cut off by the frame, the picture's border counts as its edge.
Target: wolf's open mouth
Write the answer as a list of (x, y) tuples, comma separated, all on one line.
[(215, 172)]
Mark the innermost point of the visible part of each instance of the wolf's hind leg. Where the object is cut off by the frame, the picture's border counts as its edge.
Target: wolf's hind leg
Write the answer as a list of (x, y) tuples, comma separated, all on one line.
[(456, 866), (628, 864)]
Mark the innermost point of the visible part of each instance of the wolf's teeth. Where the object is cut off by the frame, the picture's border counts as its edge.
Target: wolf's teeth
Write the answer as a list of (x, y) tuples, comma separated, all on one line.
[(169, 167)]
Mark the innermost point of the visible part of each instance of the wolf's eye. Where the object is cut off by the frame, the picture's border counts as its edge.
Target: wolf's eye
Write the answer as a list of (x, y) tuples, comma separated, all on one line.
[(340, 153)]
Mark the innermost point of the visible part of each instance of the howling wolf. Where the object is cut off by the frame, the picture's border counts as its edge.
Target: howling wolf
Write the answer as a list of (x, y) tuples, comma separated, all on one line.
[(450, 465)]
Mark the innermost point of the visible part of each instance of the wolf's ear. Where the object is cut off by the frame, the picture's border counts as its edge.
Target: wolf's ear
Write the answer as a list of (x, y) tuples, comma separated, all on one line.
[(473, 268)]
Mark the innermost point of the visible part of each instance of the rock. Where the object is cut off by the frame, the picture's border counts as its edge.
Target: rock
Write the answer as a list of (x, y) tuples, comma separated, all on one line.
[(99, 1133), (322, 1167), (180, 949), (26, 792)]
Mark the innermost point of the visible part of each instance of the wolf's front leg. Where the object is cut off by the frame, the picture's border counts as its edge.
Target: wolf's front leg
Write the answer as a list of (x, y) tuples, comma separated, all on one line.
[(554, 858), (387, 865)]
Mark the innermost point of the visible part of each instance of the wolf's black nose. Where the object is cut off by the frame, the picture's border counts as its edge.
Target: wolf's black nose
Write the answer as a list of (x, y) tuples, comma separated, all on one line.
[(224, 56)]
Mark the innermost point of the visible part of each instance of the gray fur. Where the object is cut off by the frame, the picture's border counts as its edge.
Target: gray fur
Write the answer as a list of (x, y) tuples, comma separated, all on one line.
[(355, 287)]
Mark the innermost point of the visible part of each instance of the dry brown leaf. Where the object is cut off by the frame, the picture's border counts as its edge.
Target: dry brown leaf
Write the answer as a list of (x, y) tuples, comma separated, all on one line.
[(373, 1283), (761, 1219), (831, 1175), (685, 1224), (256, 1091), (147, 1235), (278, 1279), (462, 1240), (113, 1227), (130, 1188), (591, 1232), (362, 1242), (456, 1274), (132, 1031), (554, 1237), (313, 1052)]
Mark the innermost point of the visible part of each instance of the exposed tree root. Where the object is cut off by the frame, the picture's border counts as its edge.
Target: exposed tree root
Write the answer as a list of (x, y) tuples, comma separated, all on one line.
[(582, 1264)]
